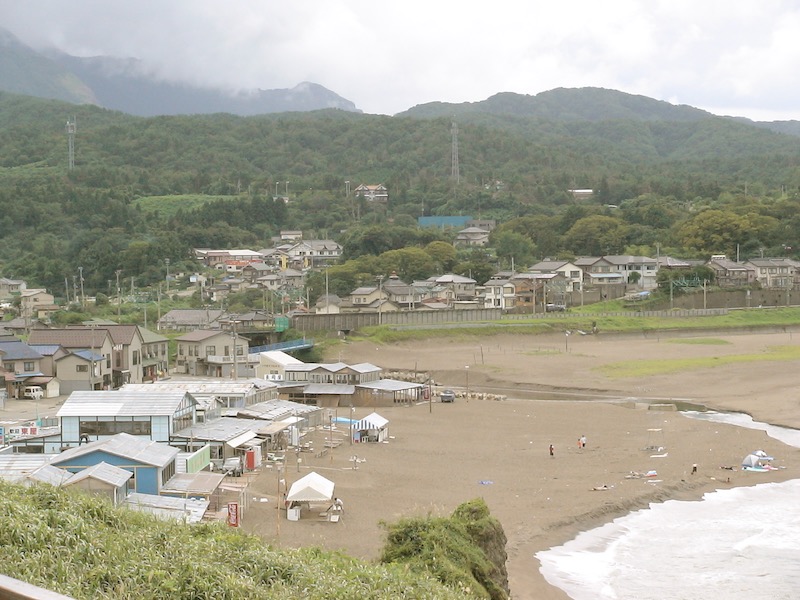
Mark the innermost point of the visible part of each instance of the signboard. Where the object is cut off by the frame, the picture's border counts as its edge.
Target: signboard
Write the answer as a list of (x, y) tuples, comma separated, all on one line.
[(233, 514)]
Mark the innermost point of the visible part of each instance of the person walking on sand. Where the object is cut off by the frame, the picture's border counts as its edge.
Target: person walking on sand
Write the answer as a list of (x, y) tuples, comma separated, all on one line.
[(552, 450), (583, 441)]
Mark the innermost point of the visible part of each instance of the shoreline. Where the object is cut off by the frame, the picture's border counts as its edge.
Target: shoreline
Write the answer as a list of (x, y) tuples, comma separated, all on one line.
[(609, 411)]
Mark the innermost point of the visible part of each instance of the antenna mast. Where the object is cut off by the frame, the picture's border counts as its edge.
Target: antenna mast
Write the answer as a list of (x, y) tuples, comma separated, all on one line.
[(455, 174), (72, 127)]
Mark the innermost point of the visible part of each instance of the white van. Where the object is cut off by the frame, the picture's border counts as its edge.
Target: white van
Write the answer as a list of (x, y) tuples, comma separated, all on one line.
[(32, 392)]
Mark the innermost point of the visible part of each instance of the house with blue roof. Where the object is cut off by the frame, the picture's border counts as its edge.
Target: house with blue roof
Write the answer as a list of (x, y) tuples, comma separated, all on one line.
[(151, 463), (22, 368)]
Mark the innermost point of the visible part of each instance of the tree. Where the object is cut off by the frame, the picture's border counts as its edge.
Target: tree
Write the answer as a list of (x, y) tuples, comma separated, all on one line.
[(596, 235), (714, 232), (513, 247), (443, 254), (408, 263)]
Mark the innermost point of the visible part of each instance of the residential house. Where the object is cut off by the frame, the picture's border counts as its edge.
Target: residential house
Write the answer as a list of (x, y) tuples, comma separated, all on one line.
[(456, 288), (472, 237), (218, 258), (314, 253), (599, 271), (88, 366), (290, 235), (366, 296), (22, 367), (252, 271), (487, 224), (372, 193), (35, 304), (11, 288), (51, 354), (730, 274), (639, 270), (572, 274), (210, 353), (533, 291), (328, 304), (155, 355), (151, 464), (774, 272), (400, 293), (127, 359), (499, 293), (179, 319)]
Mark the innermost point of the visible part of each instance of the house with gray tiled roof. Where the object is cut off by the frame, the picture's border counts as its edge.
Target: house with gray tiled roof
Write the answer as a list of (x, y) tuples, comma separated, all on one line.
[(775, 272), (180, 319), (89, 365)]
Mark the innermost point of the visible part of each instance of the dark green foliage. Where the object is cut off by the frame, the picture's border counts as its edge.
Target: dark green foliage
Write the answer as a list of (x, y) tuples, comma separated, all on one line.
[(465, 551), (84, 547), (144, 190)]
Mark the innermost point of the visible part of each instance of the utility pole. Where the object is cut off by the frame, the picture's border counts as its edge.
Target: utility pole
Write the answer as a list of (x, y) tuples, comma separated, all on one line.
[(166, 260), (83, 297), (72, 127), (119, 296), (380, 298)]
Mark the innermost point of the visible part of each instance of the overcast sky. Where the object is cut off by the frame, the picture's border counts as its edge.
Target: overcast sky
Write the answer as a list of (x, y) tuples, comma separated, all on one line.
[(725, 56)]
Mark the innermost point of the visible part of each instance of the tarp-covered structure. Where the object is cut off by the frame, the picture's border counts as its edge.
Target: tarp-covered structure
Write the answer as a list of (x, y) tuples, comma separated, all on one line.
[(372, 428), (311, 488)]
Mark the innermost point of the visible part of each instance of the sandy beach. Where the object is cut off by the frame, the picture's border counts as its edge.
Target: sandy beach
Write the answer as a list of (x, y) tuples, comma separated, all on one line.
[(441, 455)]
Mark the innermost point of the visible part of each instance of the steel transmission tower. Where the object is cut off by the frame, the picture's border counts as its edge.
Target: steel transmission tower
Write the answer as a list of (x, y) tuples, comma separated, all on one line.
[(72, 127), (455, 173)]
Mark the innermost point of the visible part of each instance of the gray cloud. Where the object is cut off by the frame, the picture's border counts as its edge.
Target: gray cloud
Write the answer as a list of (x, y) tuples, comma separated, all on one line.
[(731, 58)]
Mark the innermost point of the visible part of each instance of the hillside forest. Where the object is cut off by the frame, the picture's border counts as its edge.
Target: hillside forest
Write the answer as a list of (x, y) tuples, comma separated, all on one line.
[(144, 190)]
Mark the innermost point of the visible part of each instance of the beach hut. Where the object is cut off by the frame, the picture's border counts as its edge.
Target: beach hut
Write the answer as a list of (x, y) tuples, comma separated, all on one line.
[(372, 428), (310, 489)]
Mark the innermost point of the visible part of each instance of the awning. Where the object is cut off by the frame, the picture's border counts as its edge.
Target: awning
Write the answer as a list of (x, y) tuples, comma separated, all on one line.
[(241, 439)]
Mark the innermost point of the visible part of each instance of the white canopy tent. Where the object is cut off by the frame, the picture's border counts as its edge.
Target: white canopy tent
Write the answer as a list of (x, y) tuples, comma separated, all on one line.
[(311, 488)]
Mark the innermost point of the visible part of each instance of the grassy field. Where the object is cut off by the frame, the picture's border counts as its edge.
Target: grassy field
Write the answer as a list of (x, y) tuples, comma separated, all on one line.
[(630, 323), (642, 368)]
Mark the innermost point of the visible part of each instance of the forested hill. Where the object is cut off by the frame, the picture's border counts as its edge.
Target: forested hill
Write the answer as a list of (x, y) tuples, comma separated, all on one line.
[(511, 165), (567, 104)]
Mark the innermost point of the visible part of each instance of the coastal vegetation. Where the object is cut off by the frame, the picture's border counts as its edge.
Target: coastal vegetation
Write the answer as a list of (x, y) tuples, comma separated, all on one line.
[(84, 547)]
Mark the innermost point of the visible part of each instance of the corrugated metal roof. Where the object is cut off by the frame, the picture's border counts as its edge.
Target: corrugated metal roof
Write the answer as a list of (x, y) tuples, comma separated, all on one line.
[(50, 474), (322, 389), (202, 482), (150, 401), (102, 471), (126, 446), (189, 510), (17, 467), (390, 385), (274, 410), (219, 430)]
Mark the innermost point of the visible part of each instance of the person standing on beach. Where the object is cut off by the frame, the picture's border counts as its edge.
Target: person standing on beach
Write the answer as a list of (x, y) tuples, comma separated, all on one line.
[(552, 450), (583, 441)]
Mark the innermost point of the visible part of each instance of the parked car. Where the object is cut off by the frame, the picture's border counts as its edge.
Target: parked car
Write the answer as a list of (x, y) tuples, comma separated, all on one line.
[(447, 396), (555, 307)]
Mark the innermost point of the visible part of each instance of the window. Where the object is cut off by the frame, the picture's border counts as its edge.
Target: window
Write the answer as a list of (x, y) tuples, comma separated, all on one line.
[(28, 366), (211, 350), (136, 357), (96, 428), (82, 368)]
